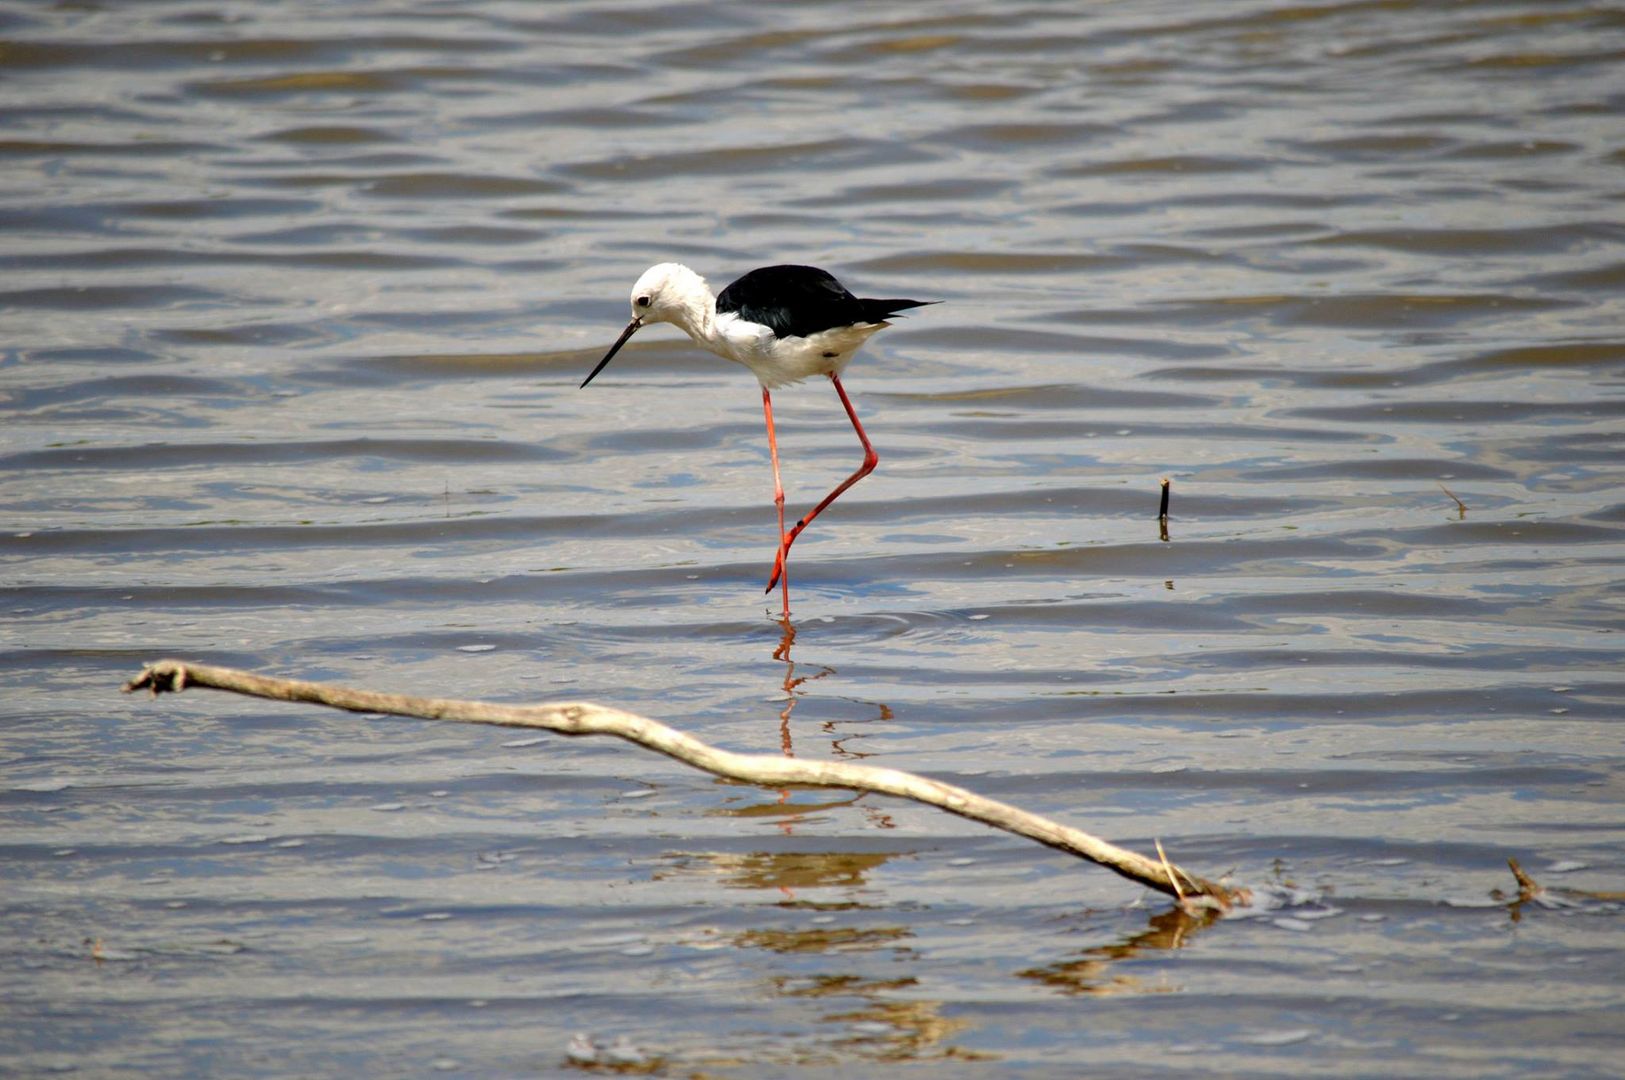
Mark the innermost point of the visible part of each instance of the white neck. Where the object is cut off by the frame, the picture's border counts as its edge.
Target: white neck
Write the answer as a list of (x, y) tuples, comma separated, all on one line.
[(687, 303), (693, 309), (698, 319)]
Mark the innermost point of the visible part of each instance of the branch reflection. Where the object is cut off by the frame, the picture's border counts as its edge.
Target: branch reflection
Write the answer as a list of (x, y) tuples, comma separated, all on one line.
[(1093, 970)]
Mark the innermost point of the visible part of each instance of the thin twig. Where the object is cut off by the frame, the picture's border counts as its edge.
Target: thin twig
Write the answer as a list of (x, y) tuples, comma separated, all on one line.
[(1162, 510), (583, 718), (1461, 507), (1168, 869)]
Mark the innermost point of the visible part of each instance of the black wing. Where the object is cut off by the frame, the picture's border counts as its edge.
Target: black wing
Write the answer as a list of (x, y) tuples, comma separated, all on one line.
[(798, 301)]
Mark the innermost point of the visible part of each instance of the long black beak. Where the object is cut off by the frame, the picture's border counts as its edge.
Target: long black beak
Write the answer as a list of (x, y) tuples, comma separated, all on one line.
[(631, 328)]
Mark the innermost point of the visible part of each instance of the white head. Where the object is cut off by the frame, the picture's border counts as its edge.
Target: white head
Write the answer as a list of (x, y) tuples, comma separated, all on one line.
[(667, 292), (670, 292)]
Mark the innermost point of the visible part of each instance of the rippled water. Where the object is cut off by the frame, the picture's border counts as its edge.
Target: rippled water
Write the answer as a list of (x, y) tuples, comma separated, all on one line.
[(296, 299)]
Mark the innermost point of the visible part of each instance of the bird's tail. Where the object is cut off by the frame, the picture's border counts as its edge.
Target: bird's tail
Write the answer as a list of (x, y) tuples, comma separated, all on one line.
[(881, 310)]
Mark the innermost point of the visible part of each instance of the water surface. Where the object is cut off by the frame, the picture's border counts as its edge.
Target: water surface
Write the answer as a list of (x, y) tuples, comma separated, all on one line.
[(296, 299)]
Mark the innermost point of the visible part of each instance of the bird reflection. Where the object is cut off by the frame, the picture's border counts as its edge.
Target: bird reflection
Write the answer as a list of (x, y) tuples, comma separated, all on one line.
[(793, 692), (889, 1028), (792, 682), (785, 871)]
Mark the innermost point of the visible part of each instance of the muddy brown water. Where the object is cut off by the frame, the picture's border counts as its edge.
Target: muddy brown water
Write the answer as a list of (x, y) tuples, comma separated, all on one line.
[(295, 301)]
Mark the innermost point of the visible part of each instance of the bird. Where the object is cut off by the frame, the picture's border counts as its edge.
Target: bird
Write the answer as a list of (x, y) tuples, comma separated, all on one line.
[(786, 323)]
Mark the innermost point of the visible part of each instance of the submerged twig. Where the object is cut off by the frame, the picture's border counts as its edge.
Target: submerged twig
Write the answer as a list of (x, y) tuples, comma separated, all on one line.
[(583, 718), (1528, 887), (1531, 890)]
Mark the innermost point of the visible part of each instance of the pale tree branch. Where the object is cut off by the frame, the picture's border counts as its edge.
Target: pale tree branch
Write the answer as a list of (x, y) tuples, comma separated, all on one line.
[(583, 718)]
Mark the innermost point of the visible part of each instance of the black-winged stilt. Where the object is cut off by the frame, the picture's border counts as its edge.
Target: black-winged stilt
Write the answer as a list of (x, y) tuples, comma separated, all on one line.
[(785, 323)]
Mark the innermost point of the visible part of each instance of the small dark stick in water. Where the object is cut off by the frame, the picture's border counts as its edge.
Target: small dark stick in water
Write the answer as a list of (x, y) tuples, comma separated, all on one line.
[(1162, 511), (1461, 507)]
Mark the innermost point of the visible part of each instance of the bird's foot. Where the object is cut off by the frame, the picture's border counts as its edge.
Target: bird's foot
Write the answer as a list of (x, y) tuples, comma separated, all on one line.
[(784, 553), (785, 540)]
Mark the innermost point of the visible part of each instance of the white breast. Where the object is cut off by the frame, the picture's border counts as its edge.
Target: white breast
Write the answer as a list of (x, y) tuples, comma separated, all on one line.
[(781, 361)]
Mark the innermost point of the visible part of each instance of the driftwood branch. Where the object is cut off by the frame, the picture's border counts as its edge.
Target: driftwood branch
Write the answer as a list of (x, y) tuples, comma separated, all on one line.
[(582, 718)]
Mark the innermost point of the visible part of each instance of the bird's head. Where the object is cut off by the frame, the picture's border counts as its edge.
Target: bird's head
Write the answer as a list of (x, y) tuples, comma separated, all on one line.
[(667, 292)]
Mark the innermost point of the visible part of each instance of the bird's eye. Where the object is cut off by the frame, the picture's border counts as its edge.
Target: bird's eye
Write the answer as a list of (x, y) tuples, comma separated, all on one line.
[(643, 301)]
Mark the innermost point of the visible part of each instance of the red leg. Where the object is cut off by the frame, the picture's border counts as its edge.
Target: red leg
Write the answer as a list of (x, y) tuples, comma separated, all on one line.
[(778, 491), (870, 460)]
